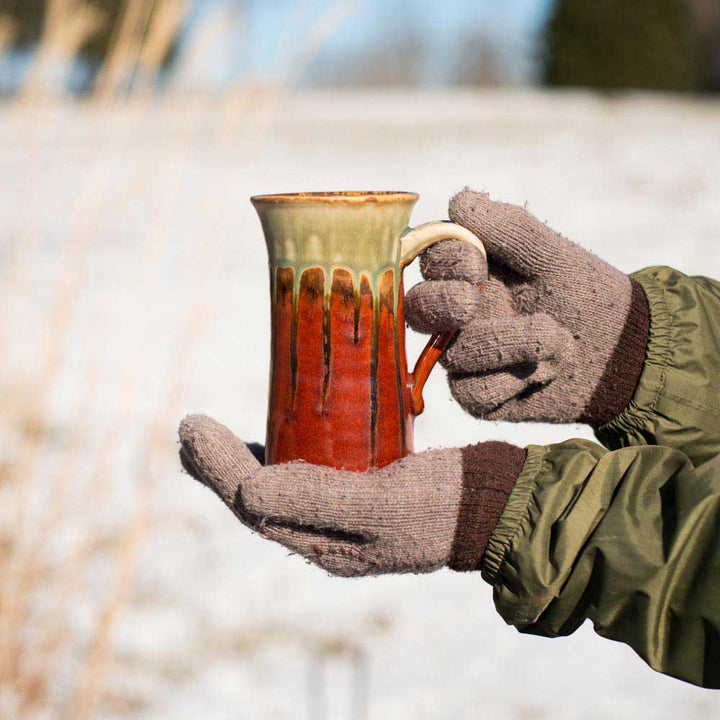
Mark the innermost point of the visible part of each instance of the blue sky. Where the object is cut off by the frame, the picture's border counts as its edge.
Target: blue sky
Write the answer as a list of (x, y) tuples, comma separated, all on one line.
[(265, 37)]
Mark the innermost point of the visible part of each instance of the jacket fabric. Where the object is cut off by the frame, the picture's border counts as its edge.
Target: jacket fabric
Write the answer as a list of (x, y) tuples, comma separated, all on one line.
[(627, 534)]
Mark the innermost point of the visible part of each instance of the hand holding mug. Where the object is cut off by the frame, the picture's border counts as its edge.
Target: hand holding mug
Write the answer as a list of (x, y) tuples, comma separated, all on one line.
[(557, 335)]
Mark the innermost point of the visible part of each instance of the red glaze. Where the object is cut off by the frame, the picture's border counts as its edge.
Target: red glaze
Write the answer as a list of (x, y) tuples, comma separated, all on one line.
[(339, 386)]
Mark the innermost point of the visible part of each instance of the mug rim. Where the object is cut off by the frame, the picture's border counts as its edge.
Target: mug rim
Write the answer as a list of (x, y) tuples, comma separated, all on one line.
[(354, 197)]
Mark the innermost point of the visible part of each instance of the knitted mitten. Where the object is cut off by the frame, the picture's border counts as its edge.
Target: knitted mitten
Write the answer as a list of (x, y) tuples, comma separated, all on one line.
[(556, 335), (419, 514)]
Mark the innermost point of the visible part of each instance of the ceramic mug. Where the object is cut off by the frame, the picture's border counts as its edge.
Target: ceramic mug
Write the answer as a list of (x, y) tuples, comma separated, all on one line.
[(340, 390)]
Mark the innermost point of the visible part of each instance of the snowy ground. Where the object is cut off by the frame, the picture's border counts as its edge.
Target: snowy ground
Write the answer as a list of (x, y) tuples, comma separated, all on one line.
[(134, 291)]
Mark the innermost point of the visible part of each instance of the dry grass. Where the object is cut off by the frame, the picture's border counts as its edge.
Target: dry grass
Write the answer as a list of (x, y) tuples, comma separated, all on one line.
[(67, 25), (164, 26), (125, 47), (41, 582), (7, 33), (59, 480)]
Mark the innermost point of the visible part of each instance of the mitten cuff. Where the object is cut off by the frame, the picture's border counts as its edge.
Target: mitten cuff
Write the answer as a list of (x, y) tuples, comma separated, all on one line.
[(489, 472), (619, 381)]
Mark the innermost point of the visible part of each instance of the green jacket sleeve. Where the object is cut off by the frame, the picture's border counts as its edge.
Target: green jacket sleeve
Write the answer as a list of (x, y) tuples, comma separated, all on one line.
[(629, 539), (677, 401)]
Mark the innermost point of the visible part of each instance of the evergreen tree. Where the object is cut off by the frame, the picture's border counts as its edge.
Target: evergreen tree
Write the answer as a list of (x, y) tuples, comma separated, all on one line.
[(621, 44)]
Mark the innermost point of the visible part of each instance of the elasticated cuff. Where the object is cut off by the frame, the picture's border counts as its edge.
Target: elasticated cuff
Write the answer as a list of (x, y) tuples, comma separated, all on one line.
[(514, 512), (640, 409)]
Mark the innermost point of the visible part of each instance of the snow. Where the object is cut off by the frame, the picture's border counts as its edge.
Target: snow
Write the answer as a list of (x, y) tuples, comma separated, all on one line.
[(131, 255)]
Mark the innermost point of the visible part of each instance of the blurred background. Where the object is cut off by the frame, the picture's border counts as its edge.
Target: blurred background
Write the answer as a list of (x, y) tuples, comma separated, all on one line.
[(134, 290)]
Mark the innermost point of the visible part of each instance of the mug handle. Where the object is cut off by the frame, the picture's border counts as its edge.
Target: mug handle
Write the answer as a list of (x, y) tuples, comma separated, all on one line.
[(413, 242)]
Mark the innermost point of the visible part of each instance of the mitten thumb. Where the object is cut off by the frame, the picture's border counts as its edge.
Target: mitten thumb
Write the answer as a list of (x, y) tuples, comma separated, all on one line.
[(215, 456)]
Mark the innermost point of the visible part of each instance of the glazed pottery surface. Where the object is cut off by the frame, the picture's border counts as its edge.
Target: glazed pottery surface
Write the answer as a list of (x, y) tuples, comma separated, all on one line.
[(340, 391)]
